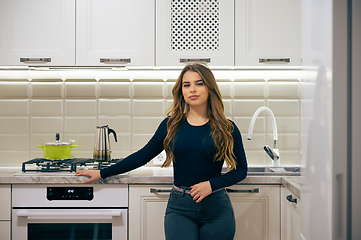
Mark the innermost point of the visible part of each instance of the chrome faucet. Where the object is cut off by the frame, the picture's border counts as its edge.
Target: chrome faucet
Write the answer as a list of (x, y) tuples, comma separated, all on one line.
[(273, 153)]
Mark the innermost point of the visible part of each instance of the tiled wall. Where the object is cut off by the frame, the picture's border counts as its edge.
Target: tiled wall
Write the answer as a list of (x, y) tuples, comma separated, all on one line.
[(32, 111)]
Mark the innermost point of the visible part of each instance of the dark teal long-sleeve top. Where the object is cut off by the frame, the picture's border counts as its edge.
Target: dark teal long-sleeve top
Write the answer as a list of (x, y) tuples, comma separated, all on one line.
[(194, 152)]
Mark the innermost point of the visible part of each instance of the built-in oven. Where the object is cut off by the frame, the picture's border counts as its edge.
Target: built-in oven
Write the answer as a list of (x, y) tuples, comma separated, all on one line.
[(65, 212)]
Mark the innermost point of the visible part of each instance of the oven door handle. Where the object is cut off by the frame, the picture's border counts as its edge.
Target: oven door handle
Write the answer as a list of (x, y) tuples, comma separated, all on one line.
[(103, 214)]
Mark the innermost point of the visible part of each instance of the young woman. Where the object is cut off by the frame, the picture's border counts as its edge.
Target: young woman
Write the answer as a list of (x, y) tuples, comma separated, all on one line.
[(197, 138)]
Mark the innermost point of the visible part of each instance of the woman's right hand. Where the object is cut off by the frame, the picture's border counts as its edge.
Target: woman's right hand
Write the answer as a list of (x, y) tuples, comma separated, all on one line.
[(93, 174)]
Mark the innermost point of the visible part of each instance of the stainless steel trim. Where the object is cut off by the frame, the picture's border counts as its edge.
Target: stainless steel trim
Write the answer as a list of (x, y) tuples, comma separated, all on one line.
[(77, 214), (256, 190), (274, 60), (188, 60), (37, 60), (154, 190), (115, 60)]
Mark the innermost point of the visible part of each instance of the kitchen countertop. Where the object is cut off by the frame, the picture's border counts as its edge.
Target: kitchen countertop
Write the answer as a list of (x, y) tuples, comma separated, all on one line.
[(143, 175)]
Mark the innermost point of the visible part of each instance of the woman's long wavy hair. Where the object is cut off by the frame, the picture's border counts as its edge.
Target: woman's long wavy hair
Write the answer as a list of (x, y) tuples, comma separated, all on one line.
[(221, 127)]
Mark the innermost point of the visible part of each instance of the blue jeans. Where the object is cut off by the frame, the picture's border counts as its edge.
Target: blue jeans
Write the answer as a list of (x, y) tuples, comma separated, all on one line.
[(212, 218)]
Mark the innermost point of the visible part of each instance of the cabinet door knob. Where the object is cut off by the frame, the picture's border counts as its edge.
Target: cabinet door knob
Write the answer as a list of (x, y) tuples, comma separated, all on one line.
[(189, 60), (115, 60), (274, 60), (35, 60), (290, 199), (256, 190)]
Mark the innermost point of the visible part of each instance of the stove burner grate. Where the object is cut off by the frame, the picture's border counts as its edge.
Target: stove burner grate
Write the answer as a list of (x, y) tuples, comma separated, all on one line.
[(67, 165)]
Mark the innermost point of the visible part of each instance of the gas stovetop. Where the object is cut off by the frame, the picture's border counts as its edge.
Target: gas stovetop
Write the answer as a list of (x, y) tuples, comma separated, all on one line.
[(42, 165)]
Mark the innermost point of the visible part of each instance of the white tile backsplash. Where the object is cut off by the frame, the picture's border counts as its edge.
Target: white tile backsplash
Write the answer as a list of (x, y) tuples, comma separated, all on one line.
[(249, 90), (120, 124), (15, 157), (47, 90), (32, 112), (14, 124), (169, 86), (247, 107), (244, 122), (139, 140), (14, 107), (85, 141), (81, 89), (286, 141), (46, 124), (149, 90), (257, 142), (225, 89), (285, 124), (148, 107), (14, 141), (80, 107), (145, 124), (123, 144), (15, 90), (114, 107), (227, 107), (114, 89), (80, 124), (284, 90), (284, 107), (47, 107)]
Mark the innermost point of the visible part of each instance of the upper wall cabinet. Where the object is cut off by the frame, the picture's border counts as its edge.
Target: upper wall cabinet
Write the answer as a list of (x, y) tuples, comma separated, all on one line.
[(108, 32), (268, 32), (37, 32), (114, 32), (198, 30)]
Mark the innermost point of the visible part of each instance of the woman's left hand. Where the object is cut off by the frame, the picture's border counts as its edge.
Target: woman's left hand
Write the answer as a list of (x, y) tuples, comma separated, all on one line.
[(201, 190)]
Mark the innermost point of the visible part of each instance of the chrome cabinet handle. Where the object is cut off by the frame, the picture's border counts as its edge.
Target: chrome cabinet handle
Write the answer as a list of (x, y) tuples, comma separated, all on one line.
[(42, 60), (256, 190), (154, 190), (187, 60), (106, 214), (115, 60), (274, 60), (290, 199)]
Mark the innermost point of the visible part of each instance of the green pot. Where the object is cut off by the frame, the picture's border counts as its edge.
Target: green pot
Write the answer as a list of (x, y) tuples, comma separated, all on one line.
[(57, 150)]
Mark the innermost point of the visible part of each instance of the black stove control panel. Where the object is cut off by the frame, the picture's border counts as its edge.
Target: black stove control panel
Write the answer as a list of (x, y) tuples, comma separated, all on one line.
[(69, 193)]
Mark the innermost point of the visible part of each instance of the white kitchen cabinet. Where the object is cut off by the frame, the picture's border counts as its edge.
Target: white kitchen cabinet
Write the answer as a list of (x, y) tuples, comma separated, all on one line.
[(5, 212), (189, 31), (37, 32), (257, 211), (268, 32), (115, 32), (290, 215), (146, 211)]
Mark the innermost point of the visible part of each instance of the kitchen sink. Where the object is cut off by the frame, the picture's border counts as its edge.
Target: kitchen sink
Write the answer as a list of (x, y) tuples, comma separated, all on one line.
[(271, 171)]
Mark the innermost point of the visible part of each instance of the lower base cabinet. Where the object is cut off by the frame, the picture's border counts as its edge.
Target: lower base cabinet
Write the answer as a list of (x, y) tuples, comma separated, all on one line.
[(257, 211), (290, 216), (147, 204), (5, 210), (5, 230), (256, 207)]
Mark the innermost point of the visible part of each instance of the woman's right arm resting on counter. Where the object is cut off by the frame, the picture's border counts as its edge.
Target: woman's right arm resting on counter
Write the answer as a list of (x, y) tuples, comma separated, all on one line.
[(134, 160)]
